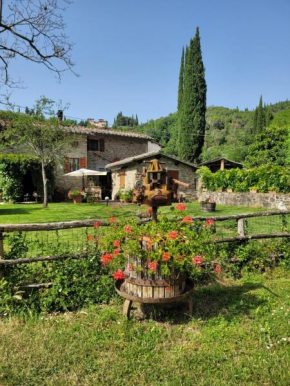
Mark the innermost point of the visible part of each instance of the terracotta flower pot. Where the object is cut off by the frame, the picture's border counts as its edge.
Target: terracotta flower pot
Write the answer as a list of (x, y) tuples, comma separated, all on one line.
[(78, 199)]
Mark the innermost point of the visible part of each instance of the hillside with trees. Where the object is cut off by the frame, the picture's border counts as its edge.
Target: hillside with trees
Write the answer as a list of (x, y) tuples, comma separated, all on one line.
[(229, 132)]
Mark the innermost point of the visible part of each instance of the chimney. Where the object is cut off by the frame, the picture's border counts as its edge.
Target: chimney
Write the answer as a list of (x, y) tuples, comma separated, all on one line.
[(60, 115)]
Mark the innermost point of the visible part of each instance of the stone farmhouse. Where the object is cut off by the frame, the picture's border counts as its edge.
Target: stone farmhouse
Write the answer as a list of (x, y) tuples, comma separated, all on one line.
[(126, 172), (94, 148)]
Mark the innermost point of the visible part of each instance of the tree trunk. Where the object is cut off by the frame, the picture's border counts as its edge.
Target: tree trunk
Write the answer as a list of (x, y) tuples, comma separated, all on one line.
[(43, 172)]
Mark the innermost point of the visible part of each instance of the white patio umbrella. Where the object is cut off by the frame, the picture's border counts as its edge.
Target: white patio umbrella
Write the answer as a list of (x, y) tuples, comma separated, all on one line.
[(85, 172)]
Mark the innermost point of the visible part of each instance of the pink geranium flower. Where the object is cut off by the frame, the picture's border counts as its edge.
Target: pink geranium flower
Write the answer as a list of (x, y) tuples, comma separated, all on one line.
[(173, 235), (187, 219), (127, 229), (165, 256), (218, 269), (197, 260), (153, 265)]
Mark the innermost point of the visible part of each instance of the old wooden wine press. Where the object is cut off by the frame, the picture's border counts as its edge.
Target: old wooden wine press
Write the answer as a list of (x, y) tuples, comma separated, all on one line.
[(155, 189)]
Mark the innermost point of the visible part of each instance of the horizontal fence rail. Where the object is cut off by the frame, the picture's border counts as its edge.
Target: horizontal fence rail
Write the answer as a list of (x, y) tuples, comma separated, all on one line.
[(63, 240)]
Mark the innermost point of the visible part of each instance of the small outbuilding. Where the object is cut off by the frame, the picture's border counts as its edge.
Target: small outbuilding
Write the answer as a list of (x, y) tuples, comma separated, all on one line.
[(221, 164), (128, 171)]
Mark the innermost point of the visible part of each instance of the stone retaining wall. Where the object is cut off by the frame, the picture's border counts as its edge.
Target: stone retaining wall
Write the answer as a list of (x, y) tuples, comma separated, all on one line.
[(255, 200)]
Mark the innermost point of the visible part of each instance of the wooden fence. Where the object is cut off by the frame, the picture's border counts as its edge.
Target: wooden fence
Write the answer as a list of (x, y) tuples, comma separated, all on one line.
[(240, 221)]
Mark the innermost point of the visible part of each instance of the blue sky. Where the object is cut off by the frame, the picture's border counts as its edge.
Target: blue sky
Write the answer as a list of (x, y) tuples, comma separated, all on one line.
[(127, 53)]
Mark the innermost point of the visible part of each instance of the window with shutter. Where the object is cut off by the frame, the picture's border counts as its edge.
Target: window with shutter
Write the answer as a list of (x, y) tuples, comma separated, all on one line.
[(66, 165), (122, 179), (93, 145), (83, 162), (74, 164)]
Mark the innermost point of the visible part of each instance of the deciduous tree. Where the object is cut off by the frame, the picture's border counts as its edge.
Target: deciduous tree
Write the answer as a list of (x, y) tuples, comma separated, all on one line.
[(34, 30)]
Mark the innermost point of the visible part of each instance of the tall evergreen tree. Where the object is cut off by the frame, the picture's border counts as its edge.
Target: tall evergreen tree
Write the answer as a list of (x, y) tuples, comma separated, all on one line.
[(260, 118), (181, 82), (193, 108)]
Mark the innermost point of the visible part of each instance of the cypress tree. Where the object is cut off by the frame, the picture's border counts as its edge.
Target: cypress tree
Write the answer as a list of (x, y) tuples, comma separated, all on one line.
[(193, 108), (181, 82), (260, 117)]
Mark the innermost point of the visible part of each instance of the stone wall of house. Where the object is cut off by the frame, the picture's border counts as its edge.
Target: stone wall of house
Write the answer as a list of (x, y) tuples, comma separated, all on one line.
[(122, 147), (133, 172), (78, 151), (114, 147), (259, 200)]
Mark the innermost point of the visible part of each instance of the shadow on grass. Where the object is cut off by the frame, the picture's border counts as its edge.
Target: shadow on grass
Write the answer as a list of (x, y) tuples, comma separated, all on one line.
[(17, 211), (210, 302)]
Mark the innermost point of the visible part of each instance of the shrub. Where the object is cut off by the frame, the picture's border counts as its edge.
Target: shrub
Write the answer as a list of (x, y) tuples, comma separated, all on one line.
[(263, 178)]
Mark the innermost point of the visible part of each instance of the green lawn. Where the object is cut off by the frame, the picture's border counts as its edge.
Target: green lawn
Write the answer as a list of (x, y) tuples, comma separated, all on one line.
[(239, 335), (28, 213)]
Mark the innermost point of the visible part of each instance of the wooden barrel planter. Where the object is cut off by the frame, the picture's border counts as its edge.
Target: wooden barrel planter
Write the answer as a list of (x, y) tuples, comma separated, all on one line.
[(142, 287), (208, 206), (154, 289)]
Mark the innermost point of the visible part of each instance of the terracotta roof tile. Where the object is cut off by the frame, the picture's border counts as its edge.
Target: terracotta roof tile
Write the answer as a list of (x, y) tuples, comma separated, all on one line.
[(92, 130)]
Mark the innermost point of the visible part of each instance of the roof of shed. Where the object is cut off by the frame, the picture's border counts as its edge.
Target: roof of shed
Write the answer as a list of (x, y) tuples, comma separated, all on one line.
[(212, 161), (151, 154)]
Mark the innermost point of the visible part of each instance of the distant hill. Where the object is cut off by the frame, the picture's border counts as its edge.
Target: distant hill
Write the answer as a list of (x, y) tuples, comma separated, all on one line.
[(228, 131)]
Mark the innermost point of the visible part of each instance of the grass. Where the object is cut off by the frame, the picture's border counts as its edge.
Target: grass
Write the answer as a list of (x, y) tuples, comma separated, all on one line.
[(30, 213), (239, 335)]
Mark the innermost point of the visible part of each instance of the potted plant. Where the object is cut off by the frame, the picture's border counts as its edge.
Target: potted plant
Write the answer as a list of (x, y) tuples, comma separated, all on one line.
[(91, 199), (208, 205), (126, 195), (154, 259), (76, 195)]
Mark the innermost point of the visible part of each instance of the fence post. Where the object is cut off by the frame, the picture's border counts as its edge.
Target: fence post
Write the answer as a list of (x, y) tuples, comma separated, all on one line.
[(1, 251), (241, 227), (284, 222)]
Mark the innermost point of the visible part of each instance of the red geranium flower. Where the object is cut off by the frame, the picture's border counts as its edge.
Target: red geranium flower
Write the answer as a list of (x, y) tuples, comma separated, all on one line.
[(97, 224), (149, 244), (106, 258), (187, 219), (116, 243), (197, 260), (218, 269), (180, 207), (166, 256), (113, 219), (116, 252), (173, 235), (153, 265), (149, 210), (89, 237), (209, 222), (127, 229), (118, 275)]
